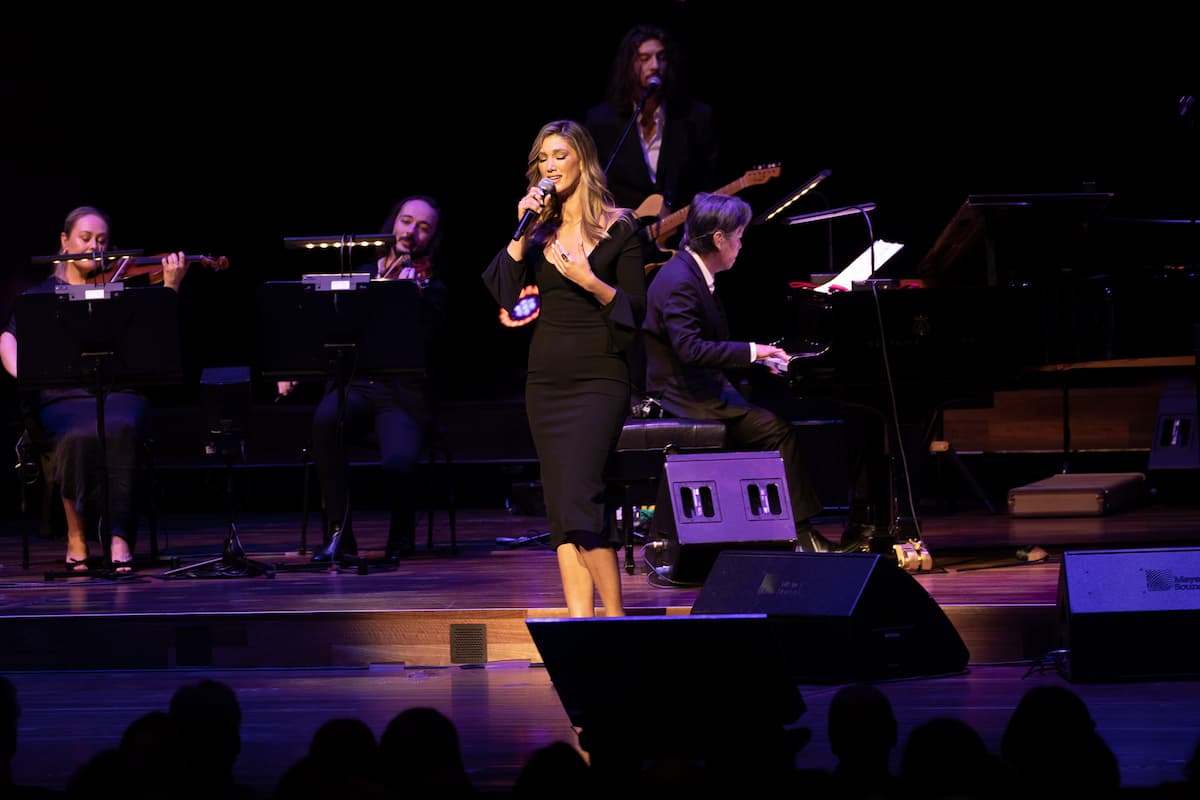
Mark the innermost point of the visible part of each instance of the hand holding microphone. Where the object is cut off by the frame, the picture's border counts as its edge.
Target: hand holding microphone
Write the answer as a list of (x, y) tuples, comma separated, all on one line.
[(531, 212)]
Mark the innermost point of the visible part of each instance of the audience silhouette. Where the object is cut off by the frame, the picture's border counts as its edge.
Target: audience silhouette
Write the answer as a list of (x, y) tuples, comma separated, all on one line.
[(1052, 746), (154, 758), (1191, 770), (555, 770), (10, 715), (1049, 748), (342, 761), (946, 759), (100, 776), (346, 745), (862, 735), (209, 720), (421, 755)]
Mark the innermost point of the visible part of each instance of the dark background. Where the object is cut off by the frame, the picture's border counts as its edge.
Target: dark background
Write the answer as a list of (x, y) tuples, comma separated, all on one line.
[(221, 135)]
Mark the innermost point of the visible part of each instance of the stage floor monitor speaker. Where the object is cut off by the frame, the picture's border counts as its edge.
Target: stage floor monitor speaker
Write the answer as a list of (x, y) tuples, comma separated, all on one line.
[(839, 617), (1130, 614), (1175, 443), (722, 500), (674, 685)]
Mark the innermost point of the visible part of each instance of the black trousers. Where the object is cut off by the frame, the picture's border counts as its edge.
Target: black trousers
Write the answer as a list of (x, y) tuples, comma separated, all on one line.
[(760, 429), (385, 416)]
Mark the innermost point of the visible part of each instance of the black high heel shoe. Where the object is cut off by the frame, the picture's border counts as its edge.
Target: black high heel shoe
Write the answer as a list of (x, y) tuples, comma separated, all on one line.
[(77, 565), (399, 546), (402, 528), (341, 547)]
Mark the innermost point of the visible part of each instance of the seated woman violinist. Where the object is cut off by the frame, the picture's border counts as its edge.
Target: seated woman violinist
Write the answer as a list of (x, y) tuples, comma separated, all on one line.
[(63, 420)]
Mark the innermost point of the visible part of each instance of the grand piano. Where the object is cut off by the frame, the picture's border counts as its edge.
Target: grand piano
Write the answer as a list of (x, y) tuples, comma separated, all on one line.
[(1013, 285), (893, 359)]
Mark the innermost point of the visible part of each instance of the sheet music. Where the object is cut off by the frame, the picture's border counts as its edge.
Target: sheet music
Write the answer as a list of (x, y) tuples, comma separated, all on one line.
[(860, 268)]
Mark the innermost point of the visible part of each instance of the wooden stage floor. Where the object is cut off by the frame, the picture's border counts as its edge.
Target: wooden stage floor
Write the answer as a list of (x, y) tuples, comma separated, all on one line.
[(302, 645)]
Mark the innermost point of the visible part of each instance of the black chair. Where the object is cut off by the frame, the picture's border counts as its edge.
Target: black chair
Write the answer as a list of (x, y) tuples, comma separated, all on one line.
[(35, 466), (436, 455), (636, 465), (437, 450)]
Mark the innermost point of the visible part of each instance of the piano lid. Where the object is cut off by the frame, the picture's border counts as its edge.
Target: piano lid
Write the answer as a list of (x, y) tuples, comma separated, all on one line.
[(1000, 219)]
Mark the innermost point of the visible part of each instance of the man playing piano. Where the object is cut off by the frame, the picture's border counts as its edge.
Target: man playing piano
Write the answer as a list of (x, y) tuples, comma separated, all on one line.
[(688, 350)]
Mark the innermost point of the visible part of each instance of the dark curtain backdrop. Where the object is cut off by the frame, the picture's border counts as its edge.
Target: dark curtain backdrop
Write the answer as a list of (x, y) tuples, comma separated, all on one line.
[(221, 135)]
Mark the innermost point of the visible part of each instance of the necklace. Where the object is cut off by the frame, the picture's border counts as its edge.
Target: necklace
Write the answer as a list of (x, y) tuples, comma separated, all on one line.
[(570, 237)]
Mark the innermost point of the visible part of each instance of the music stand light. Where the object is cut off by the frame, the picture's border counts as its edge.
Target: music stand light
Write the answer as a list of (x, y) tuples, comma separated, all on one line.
[(845, 211), (343, 244), (783, 204), (345, 240)]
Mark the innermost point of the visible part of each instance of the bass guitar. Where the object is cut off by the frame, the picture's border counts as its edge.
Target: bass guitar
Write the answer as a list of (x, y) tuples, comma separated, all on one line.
[(660, 230)]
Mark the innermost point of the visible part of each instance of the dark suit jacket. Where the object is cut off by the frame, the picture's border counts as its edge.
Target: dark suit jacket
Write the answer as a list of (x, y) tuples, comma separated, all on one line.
[(687, 351), (687, 161)]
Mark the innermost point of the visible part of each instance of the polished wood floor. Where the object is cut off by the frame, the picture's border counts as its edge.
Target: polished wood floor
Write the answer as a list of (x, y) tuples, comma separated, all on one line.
[(301, 645)]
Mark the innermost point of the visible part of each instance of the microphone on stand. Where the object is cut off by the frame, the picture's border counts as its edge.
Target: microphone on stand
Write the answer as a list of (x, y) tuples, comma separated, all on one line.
[(547, 187), (653, 84)]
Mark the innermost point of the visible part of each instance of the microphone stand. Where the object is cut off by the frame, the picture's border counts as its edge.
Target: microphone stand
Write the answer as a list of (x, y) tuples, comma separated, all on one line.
[(893, 440), (637, 112)]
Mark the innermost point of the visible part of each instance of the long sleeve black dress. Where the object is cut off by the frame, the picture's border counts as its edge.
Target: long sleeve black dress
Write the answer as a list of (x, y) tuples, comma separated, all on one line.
[(577, 385)]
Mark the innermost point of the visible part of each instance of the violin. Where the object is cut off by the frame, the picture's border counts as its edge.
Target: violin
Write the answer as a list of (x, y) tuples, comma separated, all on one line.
[(421, 266), (129, 267)]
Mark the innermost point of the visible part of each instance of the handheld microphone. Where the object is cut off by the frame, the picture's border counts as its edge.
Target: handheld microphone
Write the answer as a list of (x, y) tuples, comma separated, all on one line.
[(653, 84), (547, 187)]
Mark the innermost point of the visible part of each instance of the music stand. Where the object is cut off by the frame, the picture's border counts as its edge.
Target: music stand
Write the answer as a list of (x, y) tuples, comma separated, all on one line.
[(105, 336), (226, 393), (337, 327)]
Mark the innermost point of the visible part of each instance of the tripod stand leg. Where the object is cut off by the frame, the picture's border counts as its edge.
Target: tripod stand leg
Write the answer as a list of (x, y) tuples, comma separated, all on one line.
[(306, 463), (232, 563), (627, 512), (102, 450), (945, 449), (152, 494)]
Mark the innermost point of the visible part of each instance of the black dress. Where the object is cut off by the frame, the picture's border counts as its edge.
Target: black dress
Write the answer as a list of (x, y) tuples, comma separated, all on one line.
[(62, 422), (577, 385)]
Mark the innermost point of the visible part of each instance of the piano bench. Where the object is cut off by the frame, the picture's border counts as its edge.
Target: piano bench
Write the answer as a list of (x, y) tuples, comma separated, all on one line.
[(637, 462)]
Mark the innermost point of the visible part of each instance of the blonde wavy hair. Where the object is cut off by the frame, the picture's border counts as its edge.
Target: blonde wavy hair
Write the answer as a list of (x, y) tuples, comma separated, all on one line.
[(597, 201)]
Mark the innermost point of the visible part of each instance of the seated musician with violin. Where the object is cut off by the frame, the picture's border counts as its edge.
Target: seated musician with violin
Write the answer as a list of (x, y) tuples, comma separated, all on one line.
[(63, 421), (398, 408)]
